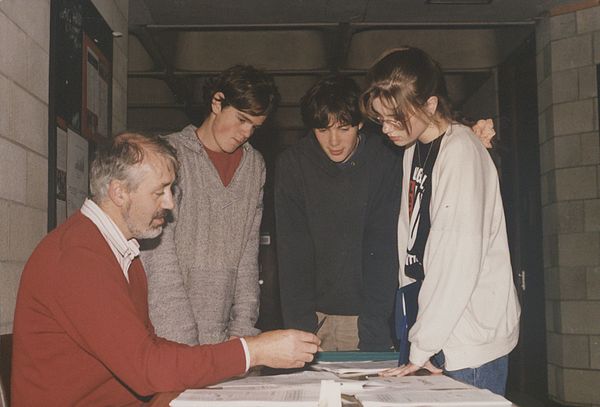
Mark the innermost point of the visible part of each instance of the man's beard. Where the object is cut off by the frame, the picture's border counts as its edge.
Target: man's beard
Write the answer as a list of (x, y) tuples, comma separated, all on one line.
[(150, 231)]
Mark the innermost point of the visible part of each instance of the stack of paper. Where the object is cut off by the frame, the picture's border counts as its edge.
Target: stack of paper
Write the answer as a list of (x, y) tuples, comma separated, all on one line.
[(324, 388), (386, 397), (277, 381), (414, 383), (294, 390), (304, 396), (353, 369)]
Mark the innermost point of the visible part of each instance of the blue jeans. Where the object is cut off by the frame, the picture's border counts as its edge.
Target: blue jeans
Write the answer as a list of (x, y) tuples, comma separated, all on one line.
[(491, 375)]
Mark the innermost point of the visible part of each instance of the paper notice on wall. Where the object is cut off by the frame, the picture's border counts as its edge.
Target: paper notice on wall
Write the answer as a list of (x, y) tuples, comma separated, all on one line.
[(77, 171), (61, 149), (96, 83), (61, 211)]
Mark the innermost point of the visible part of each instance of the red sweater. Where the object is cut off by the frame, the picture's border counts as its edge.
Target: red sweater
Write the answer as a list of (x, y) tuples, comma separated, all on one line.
[(82, 335)]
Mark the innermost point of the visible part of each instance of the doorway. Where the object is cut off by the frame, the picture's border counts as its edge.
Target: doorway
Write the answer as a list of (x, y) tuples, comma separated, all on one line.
[(520, 184)]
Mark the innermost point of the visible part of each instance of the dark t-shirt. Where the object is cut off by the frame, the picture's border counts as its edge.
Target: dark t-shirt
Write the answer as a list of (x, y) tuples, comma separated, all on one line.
[(419, 197)]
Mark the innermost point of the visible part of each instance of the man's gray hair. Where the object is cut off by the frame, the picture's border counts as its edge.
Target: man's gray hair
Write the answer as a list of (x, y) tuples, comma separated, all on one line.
[(118, 159)]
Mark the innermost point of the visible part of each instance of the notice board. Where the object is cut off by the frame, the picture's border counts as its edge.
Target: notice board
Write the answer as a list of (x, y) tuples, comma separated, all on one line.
[(80, 101)]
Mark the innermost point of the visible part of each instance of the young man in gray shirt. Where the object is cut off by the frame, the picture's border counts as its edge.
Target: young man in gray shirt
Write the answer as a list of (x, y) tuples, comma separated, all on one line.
[(203, 271)]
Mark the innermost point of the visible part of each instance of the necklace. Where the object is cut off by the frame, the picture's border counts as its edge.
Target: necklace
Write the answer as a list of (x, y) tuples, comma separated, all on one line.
[(419, 154), (432, 145)]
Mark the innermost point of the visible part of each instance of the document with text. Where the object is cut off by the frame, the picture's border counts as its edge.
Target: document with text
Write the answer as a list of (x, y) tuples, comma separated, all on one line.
[(304, 396), (387, 397)]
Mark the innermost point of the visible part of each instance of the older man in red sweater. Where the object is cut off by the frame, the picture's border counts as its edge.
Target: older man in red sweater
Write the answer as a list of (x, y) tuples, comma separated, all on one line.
[(82, 335)]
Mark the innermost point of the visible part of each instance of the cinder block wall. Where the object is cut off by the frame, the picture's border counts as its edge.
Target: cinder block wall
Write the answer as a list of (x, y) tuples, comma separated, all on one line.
[(24, 50), (24, 62), (568, 50)]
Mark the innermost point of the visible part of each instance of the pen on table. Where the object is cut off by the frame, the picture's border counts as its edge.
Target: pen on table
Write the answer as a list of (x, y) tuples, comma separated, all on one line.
[(321, 322), (366, 376)]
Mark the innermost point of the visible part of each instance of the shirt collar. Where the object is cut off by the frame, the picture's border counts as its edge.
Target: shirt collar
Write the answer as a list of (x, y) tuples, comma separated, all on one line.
[(127, 249)]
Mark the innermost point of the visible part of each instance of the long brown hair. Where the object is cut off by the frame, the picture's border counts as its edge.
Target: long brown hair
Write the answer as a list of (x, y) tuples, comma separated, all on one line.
[(403, 80)]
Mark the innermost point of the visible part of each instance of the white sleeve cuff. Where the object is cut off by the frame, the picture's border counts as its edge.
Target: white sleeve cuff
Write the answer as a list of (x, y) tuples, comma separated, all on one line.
[(417, 356), (246, 353)]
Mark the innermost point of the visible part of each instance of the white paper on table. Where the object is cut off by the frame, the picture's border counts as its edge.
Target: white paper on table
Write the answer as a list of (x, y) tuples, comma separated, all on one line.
[(330, 394), (415, 383), (301, 396), (386, 397), (293, 379), (355, 368)]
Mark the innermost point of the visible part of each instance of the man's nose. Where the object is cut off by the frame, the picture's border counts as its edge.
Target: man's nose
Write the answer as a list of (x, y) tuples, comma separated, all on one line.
[(386, 128), (168, 201), (247, 131), (334, 139)]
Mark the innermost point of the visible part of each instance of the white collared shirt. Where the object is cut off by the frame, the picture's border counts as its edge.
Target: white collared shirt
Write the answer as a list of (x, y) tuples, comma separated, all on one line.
[(124, 250)]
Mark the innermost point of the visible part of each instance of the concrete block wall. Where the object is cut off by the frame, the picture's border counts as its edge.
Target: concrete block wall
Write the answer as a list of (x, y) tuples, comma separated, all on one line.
[(24, 63), (568, 50)]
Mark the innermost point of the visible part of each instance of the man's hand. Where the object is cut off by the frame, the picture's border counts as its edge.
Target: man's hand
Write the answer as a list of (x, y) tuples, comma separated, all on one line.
[(408, 369), (282, 349)]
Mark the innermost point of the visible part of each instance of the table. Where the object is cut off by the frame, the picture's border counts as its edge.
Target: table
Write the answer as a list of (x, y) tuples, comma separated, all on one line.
[(163, 399)]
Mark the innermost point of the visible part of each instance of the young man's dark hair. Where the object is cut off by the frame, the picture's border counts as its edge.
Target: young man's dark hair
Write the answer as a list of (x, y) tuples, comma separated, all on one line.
[(245, 88), (334, 99)]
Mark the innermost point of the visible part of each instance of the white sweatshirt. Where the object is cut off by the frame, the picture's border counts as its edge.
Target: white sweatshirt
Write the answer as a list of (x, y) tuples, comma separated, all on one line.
[(468, 305)]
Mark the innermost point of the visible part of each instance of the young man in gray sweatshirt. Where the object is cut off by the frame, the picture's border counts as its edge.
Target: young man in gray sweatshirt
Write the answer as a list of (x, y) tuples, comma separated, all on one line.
[(203, 271)]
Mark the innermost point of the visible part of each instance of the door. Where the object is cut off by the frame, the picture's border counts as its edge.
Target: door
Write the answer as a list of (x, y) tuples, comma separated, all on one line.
[(520, 183)]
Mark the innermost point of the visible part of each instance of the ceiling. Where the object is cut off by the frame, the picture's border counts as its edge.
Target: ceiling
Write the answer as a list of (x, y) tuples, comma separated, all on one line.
[(175, 45)]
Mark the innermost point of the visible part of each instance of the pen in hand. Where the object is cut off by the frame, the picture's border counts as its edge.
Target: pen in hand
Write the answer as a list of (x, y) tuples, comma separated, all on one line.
[(320, 324)]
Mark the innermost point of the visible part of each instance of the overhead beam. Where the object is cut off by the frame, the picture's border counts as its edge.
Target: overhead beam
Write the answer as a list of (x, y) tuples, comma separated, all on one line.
[(304, 26), (339, 46), (283, 72), (179, 85)]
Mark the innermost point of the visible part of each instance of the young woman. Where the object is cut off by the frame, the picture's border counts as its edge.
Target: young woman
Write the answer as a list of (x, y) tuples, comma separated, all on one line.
[(451, 231)]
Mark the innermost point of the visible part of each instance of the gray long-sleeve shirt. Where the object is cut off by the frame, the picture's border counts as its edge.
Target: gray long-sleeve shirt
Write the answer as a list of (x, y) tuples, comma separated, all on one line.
[(203, 270)]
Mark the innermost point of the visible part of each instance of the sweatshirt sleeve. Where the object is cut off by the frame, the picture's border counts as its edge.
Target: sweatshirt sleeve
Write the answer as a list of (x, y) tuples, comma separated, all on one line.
[(244, 311), (380, 254), (294, 249), (94, 307), (454, 250), (169, 305)]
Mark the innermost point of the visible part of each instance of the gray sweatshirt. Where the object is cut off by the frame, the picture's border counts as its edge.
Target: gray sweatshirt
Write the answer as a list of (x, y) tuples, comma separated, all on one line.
[(203, 270)]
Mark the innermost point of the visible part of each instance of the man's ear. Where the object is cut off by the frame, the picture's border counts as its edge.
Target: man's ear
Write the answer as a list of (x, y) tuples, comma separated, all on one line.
[(432, 104), (360, 125), (118, 192), (215, 104)]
